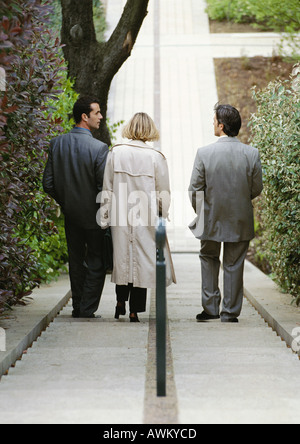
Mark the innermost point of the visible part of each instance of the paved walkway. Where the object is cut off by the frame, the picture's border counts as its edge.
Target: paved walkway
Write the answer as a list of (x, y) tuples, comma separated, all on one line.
[(103, 371), (235, 374)]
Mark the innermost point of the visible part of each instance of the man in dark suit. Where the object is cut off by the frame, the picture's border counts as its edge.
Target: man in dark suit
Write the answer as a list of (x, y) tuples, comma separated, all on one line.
[(229, 172), (74, 177)]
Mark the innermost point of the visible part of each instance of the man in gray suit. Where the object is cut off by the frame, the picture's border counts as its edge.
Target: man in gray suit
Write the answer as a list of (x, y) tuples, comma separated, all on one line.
[(73, 177), (229, 172)]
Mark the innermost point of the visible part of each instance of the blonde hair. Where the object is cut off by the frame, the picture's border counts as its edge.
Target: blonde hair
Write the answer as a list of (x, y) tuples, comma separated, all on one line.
[(141, 127)]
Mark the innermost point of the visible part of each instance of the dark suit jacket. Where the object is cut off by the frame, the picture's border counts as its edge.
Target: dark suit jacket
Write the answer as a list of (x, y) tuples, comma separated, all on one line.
[(230, 174), (74, 175)]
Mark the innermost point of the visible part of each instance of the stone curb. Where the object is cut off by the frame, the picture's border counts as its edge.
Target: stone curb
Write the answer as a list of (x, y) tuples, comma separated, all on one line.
[(274, 306), (27, 326)]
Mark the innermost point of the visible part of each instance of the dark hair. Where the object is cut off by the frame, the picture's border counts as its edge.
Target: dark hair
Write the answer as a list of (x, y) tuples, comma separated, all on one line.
[(230, 118), (83, 106)]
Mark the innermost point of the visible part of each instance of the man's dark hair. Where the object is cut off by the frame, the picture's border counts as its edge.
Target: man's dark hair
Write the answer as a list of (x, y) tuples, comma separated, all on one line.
[(230, 118), (83, 106)]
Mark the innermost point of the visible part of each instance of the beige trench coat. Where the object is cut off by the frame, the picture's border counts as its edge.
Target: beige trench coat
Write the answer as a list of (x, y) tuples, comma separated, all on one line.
[(136, 185)]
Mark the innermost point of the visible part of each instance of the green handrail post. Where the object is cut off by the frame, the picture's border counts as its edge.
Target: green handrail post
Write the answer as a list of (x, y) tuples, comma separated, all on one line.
[(161, 310)]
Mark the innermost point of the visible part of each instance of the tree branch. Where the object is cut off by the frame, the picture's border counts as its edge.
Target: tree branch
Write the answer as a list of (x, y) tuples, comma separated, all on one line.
[(120, 44)]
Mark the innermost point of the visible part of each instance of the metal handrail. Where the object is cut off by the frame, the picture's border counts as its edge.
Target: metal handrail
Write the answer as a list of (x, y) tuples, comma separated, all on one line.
[(161, 309)]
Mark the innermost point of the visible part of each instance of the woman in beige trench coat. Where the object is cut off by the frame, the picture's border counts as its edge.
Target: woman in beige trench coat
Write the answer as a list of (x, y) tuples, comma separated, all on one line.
[(136, 190)]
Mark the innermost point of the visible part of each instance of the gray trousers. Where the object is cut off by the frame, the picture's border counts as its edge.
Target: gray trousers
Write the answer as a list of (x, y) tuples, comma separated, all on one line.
[(233, 265)]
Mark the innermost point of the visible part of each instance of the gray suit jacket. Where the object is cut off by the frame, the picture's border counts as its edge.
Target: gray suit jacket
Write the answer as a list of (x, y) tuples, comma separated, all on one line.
[(74, 175), (230, 174)]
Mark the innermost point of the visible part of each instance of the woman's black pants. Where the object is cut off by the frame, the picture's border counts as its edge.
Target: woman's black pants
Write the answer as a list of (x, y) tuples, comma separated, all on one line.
[(137, 297)]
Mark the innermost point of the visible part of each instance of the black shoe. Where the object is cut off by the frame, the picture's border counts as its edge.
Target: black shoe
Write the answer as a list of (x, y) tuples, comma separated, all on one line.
[(120, 310), (90, 317), (230, 320), (75, 314), (203, 317), (134, 318)]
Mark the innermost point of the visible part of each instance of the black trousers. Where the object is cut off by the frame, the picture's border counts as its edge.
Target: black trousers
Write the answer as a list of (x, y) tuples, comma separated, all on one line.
[(86, 268), (137, 297)]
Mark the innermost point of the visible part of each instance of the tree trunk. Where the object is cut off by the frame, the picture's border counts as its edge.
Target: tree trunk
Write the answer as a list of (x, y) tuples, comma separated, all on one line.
[(94, 64)]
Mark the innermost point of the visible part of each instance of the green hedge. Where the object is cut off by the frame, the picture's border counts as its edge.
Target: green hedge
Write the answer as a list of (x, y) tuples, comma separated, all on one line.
[(32, 243), (276, 132), (274, 15), (278, 15)]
